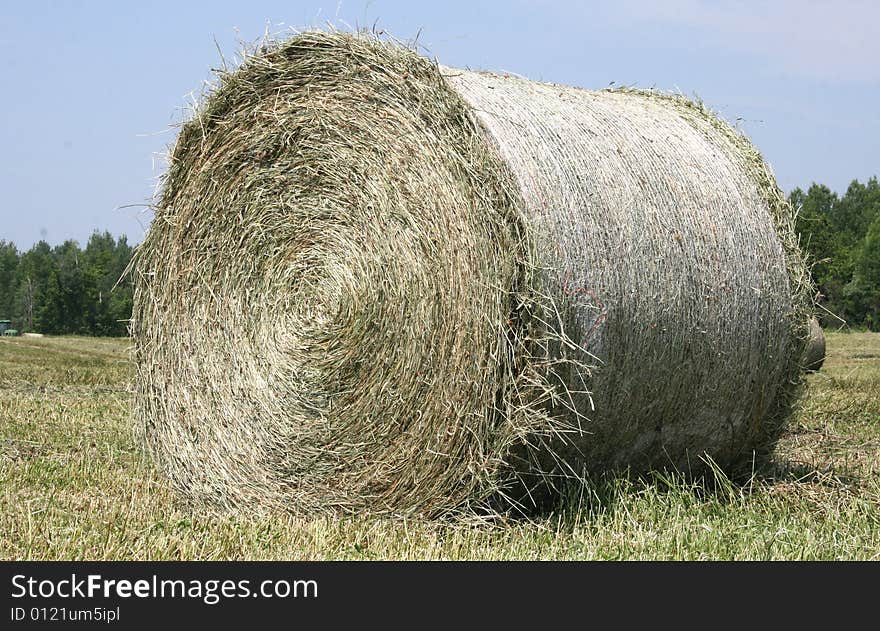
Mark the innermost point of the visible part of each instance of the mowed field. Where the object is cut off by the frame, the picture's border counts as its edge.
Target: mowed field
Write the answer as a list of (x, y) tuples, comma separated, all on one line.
[(75, 485)]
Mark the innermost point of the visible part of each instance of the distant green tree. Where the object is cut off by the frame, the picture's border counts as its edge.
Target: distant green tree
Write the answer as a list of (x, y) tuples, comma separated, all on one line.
[(8, 268), (829, 261), (76, 289), (67, 289), (855, 211), (122, 290), (818, 236), (837, 235), (38, 294), (863, 291), (97, 257), (105, 261)]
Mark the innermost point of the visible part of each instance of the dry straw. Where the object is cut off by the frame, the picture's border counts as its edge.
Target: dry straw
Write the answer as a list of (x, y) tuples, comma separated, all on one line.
[(375, 284)]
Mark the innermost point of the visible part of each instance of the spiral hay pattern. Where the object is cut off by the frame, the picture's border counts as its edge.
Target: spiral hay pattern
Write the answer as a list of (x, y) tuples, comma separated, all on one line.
[(374, 284)]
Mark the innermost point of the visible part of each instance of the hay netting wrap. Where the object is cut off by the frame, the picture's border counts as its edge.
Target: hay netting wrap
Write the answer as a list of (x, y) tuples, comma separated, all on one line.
[(373, 283)]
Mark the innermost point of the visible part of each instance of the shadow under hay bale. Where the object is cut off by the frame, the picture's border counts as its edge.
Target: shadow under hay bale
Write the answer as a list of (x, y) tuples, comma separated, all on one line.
[(376, 284)]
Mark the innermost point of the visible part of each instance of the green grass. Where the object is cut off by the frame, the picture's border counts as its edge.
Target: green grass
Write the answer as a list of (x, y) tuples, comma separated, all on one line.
[(74, 485)]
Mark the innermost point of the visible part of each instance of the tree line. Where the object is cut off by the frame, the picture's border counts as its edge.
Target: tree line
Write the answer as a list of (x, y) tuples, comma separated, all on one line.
[(71, 290), (67, 289), (841, 239)]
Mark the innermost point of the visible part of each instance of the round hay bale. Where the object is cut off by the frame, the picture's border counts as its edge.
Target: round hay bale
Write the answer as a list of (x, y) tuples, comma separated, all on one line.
[(375, 284), (814, 356)]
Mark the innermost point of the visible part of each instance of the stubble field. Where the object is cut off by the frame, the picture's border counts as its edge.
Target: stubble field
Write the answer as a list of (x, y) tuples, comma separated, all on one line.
[(75, 485)]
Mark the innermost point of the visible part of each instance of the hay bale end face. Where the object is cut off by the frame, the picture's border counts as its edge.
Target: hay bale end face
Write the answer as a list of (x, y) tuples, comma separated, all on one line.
[(376, 284)]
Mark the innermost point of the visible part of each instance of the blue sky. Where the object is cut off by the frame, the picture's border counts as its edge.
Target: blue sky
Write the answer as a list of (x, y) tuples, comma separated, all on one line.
[(91, 90)]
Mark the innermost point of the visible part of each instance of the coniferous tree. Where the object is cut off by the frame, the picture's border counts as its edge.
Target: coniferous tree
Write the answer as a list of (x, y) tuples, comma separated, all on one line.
[(9, 257), (75, 292), (38, 295)]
